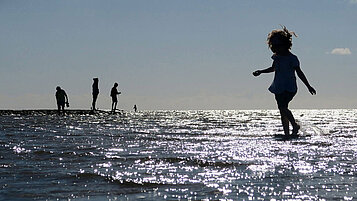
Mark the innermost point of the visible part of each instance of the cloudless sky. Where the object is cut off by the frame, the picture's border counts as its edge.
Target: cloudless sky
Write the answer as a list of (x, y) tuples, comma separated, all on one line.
[(177, 54)]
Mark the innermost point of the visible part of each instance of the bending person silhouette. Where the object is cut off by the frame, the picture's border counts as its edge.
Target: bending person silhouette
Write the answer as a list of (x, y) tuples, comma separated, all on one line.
[(284, 86), (95, 92), (113, 93), (62, 99)]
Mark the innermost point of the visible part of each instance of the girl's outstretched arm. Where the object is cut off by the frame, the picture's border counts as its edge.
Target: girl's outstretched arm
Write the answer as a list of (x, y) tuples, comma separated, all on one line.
[(267, 70), (303, 78)]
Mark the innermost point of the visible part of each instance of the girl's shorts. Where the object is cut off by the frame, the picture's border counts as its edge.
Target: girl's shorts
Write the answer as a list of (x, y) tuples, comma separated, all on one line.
[(284, 99)]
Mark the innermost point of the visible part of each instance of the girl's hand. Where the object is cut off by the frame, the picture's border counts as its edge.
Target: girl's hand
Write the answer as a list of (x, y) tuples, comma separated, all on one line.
[(312, 90), (257, 73)]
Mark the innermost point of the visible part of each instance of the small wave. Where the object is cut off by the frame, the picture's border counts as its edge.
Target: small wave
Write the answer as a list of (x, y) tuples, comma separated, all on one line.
[(126, 183), (318, 144), (203, 163), (135, 184), (88, 175), (20, 150), (192, 162), (344, 136), (130, 183), (42, 152)]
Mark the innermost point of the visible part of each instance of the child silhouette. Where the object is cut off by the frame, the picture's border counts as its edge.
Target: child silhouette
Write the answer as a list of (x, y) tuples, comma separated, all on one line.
[(284, 86)]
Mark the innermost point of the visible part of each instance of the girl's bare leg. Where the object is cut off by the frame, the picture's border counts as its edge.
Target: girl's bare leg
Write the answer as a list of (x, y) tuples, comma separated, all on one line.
[(290, 118), (284, 122)]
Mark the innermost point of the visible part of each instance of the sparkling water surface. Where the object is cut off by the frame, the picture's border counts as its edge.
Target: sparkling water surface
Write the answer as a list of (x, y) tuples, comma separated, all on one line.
[(157, 155)]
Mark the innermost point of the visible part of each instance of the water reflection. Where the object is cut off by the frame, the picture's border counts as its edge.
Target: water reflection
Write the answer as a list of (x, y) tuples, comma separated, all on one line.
[(179, 155)]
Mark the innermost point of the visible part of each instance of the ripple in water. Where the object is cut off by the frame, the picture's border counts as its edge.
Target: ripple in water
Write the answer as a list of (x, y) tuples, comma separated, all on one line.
[(178, 155)]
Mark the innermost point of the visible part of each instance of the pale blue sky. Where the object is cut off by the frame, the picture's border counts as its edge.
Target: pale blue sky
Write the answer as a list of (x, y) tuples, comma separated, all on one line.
[(168, 54)]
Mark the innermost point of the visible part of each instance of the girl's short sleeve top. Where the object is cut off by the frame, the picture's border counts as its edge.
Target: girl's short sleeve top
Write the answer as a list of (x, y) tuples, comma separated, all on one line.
[(284, 77)]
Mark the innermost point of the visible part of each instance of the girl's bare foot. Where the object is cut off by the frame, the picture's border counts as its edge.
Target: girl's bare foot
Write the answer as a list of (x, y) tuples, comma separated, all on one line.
[(296, 130)]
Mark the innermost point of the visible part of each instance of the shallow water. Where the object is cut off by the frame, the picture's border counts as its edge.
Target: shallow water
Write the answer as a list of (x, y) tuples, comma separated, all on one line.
[(156, 155)]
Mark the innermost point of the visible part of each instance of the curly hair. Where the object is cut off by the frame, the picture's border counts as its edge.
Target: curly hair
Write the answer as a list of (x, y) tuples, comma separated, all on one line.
[(283, 35)]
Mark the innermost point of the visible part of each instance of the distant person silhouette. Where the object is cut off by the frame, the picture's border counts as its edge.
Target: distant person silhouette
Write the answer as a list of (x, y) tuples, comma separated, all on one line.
[(62, 99), (95, 92), (135, 108), (284, 86), (113, 93)]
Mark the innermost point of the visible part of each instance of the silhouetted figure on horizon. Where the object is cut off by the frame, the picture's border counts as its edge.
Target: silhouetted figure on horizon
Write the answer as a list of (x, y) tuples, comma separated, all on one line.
[(284, 86), (113, 93), (62, 99), (135, 108), (95, 92)]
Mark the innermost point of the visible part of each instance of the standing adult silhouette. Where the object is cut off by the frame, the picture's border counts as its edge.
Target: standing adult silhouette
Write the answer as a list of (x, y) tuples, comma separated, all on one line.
[(95, 92), (113, 93)]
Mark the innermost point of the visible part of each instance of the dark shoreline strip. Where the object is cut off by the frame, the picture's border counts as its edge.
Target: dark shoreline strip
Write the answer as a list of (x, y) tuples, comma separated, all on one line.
[(46, 111)]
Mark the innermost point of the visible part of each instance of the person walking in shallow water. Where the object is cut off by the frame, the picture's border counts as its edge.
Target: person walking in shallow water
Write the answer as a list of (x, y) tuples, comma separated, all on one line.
[(284, 86), (135, 108), (62, 99), (95, 92), (113, 93)]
